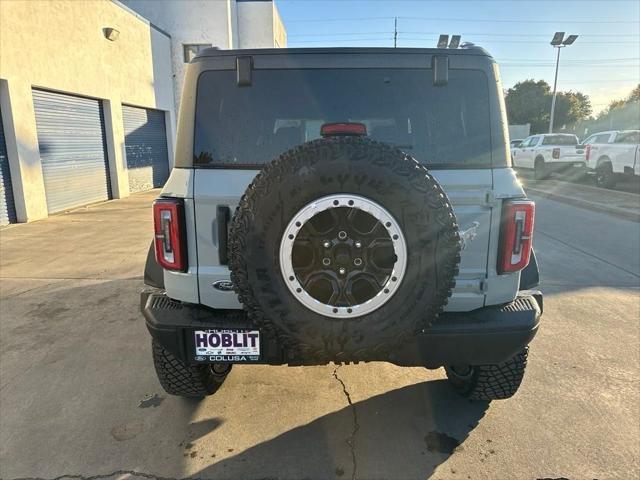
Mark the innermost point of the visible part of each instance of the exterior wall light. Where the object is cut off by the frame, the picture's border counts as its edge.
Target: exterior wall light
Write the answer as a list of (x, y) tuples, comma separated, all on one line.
[(111, 33)]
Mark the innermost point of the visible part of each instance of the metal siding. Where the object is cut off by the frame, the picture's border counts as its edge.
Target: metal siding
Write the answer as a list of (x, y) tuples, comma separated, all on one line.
[(7, 209), (72, 143), (145, 140)]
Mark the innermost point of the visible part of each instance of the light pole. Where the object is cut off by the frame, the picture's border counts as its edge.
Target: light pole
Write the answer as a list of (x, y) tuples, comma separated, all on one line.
[(558, 41)]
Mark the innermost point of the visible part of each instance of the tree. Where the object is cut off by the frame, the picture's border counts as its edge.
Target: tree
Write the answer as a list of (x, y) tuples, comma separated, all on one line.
[(613, 105), (621, 114), (571, 107), (529, 101)]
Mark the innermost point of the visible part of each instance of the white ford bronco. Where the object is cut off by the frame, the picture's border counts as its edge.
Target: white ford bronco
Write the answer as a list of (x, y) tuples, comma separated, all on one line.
[(342, 205)]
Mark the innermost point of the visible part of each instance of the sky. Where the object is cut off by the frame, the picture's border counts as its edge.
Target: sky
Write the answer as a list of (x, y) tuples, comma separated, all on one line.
[(603, 63)]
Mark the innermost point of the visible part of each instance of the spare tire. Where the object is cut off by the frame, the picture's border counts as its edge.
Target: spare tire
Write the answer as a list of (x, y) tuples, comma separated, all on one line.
[(342, 247)]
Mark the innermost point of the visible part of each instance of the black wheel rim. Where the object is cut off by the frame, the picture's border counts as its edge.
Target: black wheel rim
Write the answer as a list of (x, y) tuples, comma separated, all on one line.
[(343, 256)]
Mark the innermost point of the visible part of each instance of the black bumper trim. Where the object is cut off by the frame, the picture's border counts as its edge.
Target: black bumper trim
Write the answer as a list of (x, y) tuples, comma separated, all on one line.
[(485, 336)]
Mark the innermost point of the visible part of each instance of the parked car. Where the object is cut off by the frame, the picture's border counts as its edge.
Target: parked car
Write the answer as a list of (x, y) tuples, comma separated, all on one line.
[(375, 219), (549, 152), (611, 154)]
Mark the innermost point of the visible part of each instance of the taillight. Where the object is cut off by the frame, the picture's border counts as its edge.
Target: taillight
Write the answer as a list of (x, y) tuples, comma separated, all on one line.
[(516, 233), (588, 152), (556, 153), (168, 222), (343, 129)]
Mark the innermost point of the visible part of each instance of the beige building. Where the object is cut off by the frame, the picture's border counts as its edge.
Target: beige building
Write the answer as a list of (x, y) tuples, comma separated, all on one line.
[(226, 24), (89, 93)]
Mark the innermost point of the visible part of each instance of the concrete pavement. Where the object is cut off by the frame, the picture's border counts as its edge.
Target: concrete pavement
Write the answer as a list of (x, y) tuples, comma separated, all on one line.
[(78, 395), (624, 205)]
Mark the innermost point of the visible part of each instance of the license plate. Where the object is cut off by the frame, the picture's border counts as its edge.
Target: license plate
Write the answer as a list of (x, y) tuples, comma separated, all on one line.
[(230, 345), (578, 165)]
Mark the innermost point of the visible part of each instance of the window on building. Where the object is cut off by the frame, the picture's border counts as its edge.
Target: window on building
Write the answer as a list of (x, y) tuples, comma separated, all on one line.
[(192, 49)]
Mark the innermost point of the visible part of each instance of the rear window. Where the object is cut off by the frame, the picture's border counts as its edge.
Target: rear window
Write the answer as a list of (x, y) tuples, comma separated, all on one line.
[(604, 138), (560, 140), (628, 137), (244, 127)]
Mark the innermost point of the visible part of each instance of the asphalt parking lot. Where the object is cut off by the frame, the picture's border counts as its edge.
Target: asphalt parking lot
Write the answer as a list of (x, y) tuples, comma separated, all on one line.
[(79, 398)]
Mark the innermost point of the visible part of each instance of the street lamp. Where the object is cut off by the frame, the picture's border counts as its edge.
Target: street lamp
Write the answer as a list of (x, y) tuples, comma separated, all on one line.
[(558, 41)]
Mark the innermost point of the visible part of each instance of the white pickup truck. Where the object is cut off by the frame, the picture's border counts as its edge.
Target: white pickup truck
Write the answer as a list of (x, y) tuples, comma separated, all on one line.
[(549, 152), (611, 153)]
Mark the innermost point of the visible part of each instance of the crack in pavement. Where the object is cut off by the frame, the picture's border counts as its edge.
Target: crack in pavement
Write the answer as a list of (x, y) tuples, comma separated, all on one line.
[(351, 441), (133, 473)]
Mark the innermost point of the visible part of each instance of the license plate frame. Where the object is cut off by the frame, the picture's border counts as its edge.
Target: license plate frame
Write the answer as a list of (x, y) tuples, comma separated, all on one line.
[(226, 345)]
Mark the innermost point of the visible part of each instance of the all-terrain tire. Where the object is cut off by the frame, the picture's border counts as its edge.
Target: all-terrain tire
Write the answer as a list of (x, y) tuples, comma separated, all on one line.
[(177, 378), (490, 382), (343, 165)]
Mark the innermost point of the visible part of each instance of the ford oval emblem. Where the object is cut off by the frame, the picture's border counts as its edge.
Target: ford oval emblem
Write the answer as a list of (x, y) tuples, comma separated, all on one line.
[(223, 285)]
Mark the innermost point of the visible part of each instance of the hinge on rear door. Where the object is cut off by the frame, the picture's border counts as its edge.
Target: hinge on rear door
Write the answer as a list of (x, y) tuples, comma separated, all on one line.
[(484, 285), (490, 198)]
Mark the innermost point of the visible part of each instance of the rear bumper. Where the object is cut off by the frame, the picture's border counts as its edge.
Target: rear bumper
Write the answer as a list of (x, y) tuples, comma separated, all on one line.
[(485, 336)]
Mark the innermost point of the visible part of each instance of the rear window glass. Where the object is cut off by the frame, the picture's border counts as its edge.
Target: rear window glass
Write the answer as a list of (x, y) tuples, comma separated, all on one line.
[(560, 140), (244, 127), (628, 137)]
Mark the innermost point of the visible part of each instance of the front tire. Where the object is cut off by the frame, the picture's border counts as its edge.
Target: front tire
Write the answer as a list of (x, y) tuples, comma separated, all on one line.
[(184, 380), (489, 382)]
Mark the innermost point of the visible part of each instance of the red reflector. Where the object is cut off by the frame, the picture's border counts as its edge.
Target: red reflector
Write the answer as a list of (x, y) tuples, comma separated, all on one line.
[(343, 129), (556, 153), (170, 244), (588, 153), (516, 235)]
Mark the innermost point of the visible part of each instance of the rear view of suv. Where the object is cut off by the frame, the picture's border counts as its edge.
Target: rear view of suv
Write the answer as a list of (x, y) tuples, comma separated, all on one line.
[(342, 205)]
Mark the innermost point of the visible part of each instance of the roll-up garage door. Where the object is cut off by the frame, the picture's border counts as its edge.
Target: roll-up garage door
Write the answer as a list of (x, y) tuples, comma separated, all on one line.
[(145, 140), (72, 146), (7, 210)]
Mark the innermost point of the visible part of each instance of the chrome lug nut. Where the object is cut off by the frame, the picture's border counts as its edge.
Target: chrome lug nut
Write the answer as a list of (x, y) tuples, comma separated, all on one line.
[(326, 261), (342, 271), (342, 235), (326, 244), (358, 244), (357, 262)]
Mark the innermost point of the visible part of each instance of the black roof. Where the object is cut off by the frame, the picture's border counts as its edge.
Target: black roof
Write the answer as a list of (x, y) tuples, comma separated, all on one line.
[(468, 50)]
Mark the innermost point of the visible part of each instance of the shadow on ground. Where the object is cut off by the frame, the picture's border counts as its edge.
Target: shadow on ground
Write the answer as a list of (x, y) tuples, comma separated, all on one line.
[(403, 433)]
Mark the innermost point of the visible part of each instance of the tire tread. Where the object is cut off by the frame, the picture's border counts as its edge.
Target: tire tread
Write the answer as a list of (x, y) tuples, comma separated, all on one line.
[(183, 380), (493, 382)]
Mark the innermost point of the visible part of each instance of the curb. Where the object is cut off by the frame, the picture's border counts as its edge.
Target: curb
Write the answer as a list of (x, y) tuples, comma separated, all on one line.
[(586, 204)]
